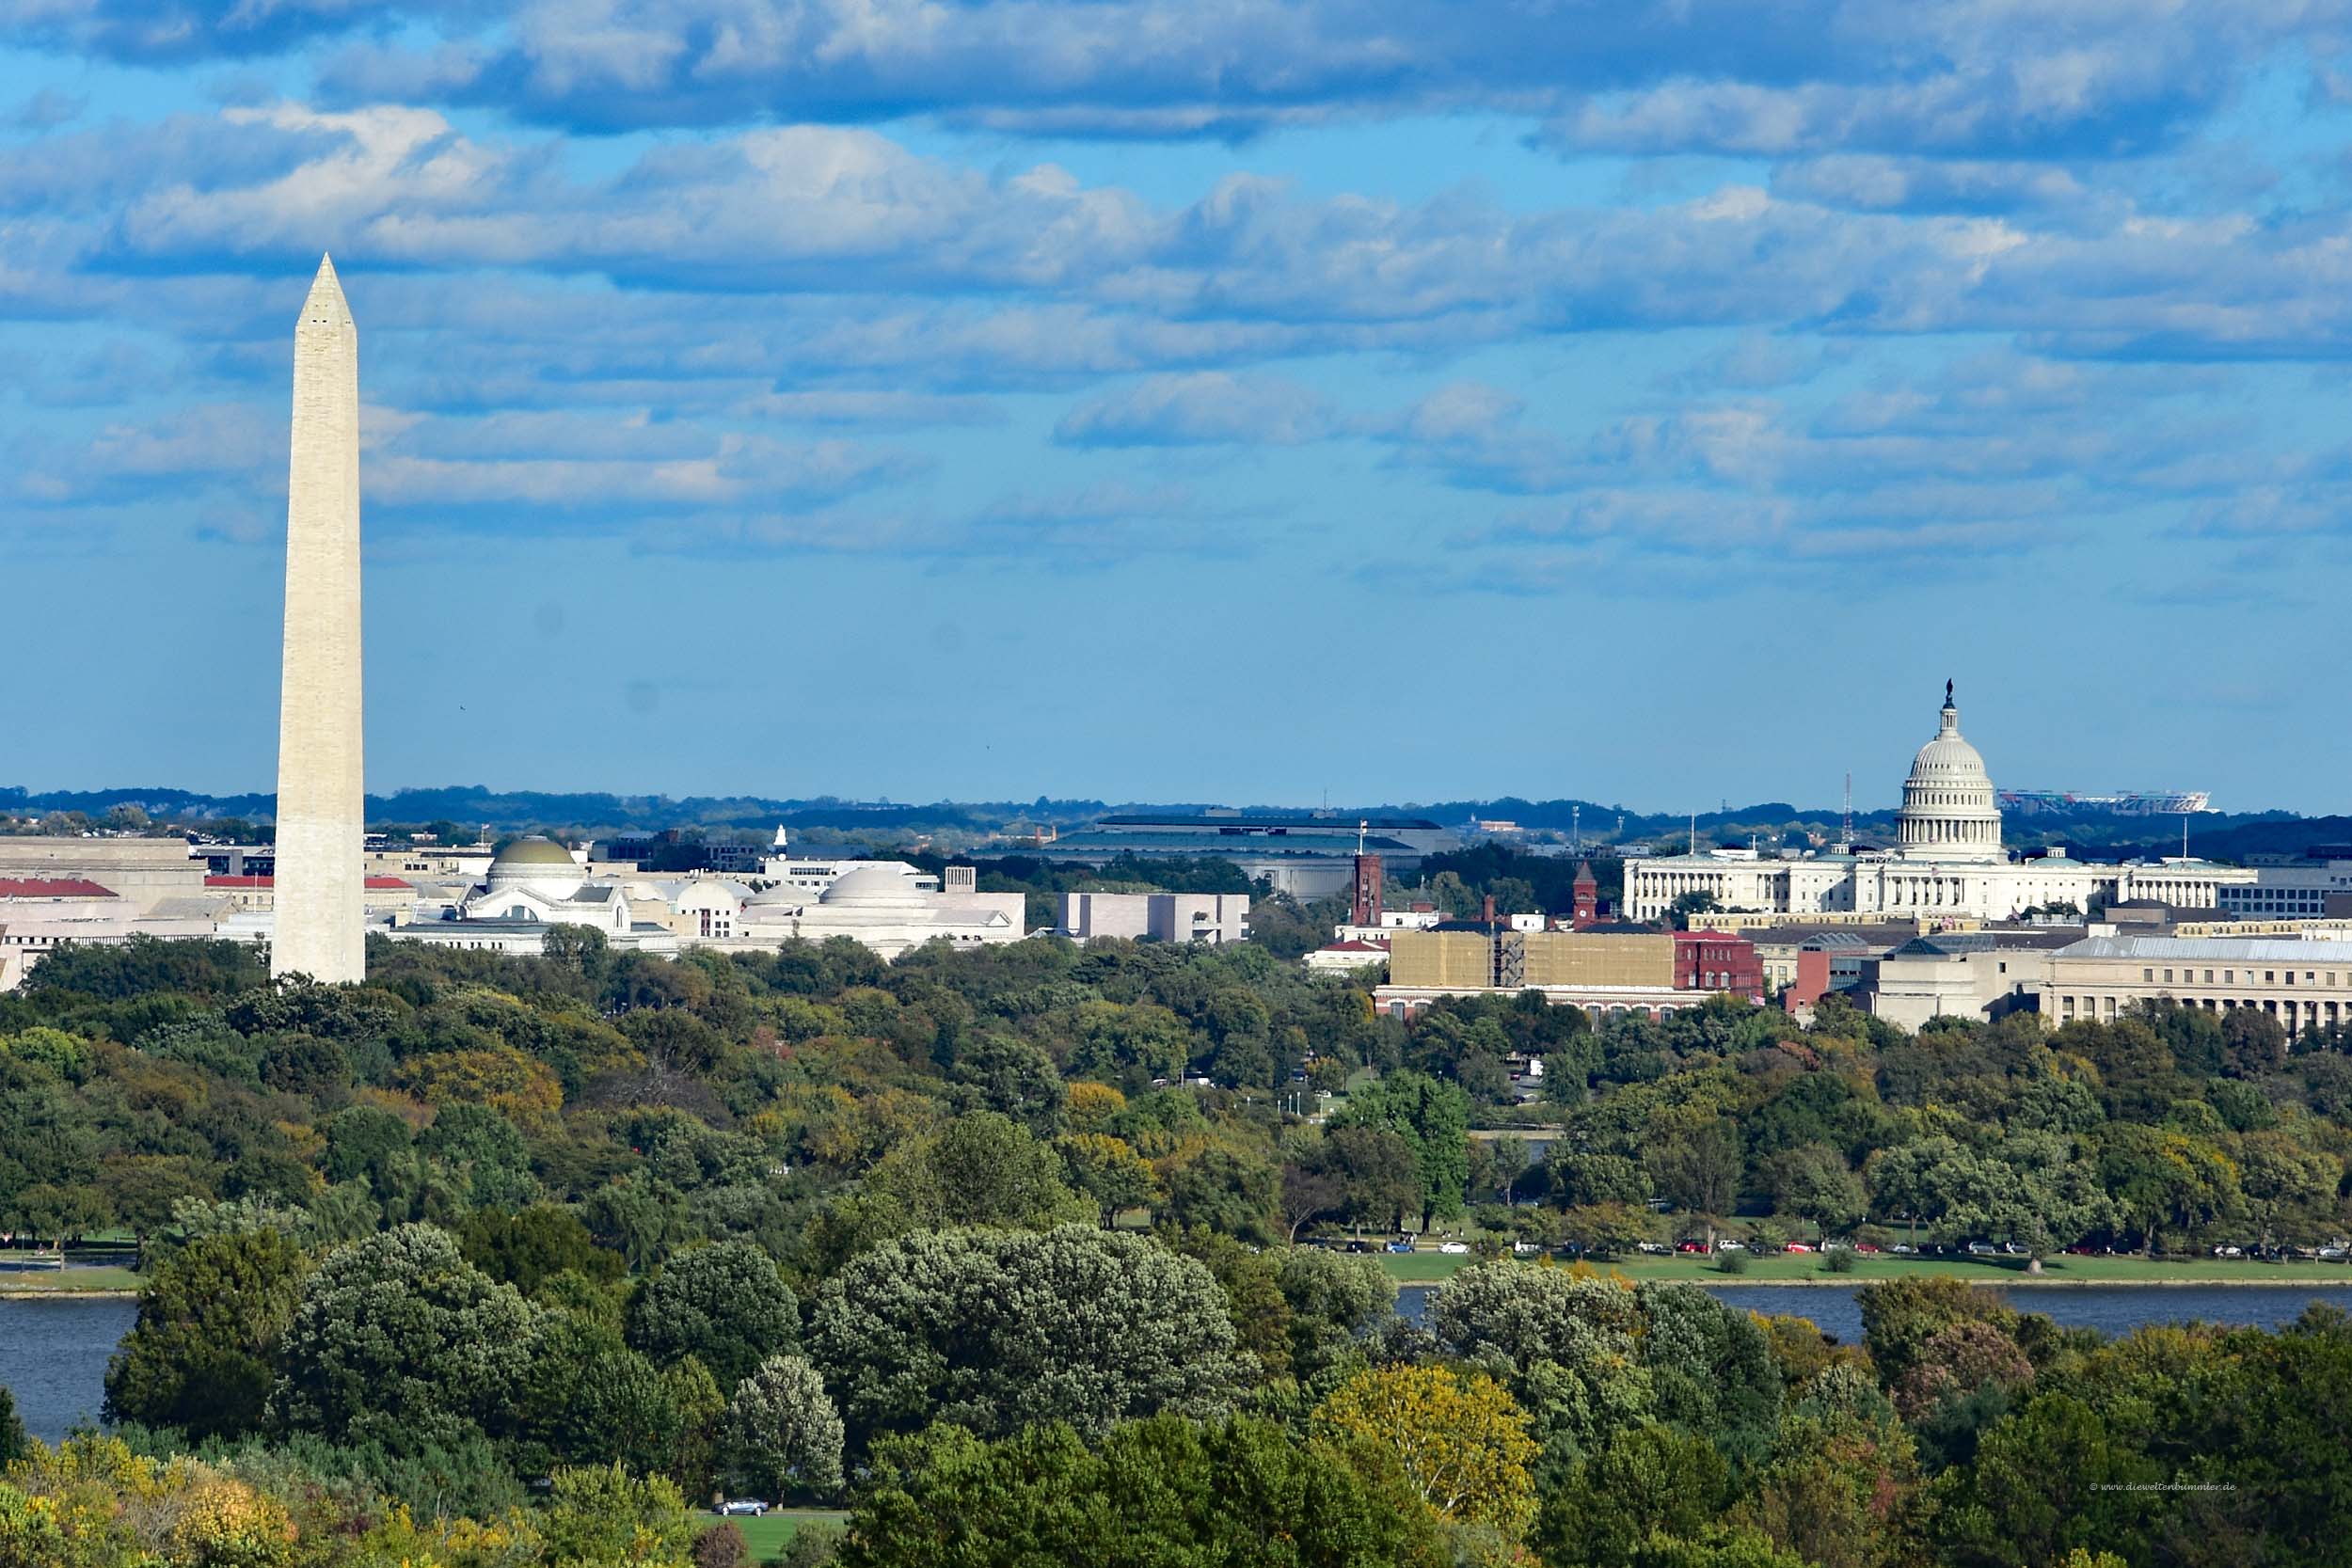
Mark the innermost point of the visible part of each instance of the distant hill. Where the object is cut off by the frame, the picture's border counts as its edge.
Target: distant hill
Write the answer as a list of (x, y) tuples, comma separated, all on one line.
[(1769, 824)]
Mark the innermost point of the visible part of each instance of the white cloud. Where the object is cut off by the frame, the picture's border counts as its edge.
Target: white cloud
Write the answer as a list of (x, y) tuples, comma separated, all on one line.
[(1199, 408)]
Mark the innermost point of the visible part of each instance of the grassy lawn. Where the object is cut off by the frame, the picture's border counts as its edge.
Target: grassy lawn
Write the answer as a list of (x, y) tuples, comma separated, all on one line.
[(769, 1535), (1425, 1267), (48, 1281)]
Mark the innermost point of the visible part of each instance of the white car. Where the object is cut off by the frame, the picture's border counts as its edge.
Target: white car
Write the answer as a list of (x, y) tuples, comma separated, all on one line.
[(751, 1506), (1524, 1249), (1454, 1247)]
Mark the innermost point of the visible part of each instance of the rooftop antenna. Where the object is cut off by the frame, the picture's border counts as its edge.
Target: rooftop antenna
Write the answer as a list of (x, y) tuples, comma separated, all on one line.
[(1362, 827), (1575, 827), (1847, 829), (1695, 833)]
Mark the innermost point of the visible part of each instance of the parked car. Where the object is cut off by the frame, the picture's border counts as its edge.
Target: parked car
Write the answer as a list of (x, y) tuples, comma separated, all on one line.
[(1454, 1247), (751, 1506), (1524, 1249), (1657, 1249), (2015, 1249), (2225, 1250), (1983, 1249), (1690, 1246), (1729, 1246), (1868, 1246), (1797, 1247), (1359, 1246), (2333, 1254), (1400, 1246)]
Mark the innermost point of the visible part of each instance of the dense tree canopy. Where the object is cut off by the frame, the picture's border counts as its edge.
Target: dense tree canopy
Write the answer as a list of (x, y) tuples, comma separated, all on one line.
[(636, 1230)]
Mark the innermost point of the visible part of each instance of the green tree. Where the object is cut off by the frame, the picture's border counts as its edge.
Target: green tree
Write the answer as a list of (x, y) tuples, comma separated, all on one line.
[(1230, 1191), (2285, 1184), (1109, 1172), (2027, 1189), (1900, 1316), (1377, 1172), (726, 1304), (1161, 1490), (982, 1168), (1639, 1497), (1335, 1300), (484, 1149), (398, 1340), (1434, 1119), (57, 1214), (993, 1329), (200, 1354), (528, 1248), (783, 1434), (13, 1443), (608, 1518), (1693, 1155), (142, 1190), (1580, 1178), (1002, 1073), (1607, 1230)]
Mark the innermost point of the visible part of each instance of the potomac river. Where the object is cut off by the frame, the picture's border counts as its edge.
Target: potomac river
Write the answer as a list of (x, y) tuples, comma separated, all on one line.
[(2109, 1309), (52, 1353)]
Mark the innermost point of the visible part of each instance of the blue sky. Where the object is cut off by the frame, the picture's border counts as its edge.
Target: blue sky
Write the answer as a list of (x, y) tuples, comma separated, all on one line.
[(1405, 400)]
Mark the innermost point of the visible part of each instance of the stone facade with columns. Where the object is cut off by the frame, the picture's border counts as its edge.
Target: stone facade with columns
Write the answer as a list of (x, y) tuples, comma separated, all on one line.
[(1950, 864)]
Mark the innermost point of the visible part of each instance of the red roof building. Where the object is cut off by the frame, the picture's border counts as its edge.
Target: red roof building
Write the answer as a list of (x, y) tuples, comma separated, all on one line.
[(52, 887)]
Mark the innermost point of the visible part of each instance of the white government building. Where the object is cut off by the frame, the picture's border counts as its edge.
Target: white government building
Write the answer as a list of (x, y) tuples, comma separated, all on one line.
[(1948, 863)]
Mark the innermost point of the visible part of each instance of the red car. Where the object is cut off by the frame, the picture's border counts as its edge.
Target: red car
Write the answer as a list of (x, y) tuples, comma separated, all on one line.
[(1865, 1247), (1690, 1246)]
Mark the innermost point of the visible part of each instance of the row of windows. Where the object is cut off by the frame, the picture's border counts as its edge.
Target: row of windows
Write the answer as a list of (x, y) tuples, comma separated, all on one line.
[(2329, 1013), (2229, 978)]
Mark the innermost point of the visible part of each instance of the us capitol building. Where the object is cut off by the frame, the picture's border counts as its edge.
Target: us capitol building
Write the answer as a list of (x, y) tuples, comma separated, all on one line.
[(1949, 863)]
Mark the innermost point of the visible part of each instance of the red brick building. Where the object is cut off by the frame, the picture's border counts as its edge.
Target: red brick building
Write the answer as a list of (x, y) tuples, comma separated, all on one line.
[(1717, 961)]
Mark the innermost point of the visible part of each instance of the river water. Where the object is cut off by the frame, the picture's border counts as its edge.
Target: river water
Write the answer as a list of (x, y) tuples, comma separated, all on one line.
[(2109, 1309), (53, 1357), (52, 1353)]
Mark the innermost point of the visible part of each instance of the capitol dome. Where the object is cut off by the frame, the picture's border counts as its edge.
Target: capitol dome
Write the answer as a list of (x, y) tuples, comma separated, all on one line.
[(540, 864), (1948, 808)]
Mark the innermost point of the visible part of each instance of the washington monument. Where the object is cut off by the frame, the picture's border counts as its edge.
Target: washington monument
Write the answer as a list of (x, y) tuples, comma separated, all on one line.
[(320, 807)]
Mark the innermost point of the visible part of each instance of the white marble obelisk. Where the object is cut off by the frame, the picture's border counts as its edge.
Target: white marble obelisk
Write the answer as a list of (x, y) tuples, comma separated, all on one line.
[(321, 803)]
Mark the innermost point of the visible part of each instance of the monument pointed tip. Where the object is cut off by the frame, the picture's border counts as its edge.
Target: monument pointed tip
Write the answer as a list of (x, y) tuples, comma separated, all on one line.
[(326, 302)]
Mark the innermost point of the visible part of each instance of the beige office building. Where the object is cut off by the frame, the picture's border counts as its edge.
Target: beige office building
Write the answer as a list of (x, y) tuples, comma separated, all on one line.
[(2304, 984)]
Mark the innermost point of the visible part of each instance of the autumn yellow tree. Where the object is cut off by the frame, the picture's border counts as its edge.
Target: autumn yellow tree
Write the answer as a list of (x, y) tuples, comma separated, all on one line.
[(1090, 1106), (1458, 1439)]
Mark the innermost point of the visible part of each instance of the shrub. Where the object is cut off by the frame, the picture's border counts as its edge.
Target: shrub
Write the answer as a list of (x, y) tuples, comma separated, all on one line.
[(721, 1547), (1839, 1260), (1731, 1263), (813, 1546)]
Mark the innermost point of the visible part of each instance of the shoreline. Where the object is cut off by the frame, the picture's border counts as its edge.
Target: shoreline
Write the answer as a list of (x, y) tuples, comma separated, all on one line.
[(2039, 1282), (2187, 1273), (77, 1293)]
